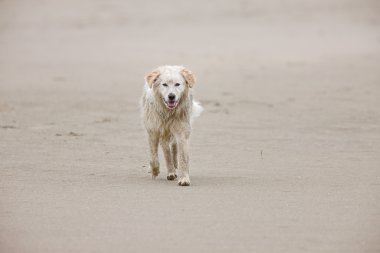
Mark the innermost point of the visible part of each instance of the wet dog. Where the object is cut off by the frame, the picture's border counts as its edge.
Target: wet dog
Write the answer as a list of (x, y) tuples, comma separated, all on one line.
[(168, 109)]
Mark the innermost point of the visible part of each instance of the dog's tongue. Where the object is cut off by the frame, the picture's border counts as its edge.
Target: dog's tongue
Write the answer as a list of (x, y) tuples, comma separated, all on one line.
[(171, 103)]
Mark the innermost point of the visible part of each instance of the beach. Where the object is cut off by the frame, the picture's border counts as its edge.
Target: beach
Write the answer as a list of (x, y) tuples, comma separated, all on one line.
[(284, 158)]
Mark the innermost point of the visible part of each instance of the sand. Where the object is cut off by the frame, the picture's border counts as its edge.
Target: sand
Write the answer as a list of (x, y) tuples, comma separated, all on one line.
[(285, 157)]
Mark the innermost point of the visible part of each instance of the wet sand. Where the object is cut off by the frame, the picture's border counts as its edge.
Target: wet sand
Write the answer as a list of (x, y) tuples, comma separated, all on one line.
[(285, 157)]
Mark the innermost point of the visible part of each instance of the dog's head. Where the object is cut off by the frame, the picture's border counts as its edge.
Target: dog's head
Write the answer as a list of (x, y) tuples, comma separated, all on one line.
[(170, 83)]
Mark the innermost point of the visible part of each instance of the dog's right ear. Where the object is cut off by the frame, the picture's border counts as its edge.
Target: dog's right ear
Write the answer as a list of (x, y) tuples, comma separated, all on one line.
[(152, 77)]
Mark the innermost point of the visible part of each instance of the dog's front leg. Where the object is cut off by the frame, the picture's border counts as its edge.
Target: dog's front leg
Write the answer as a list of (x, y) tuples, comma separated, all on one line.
[(183, 160), (153, 148), (174, 154), (169, 160)]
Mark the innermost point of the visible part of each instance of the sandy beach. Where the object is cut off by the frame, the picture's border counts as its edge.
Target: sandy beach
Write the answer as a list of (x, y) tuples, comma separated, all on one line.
[(285, 157)]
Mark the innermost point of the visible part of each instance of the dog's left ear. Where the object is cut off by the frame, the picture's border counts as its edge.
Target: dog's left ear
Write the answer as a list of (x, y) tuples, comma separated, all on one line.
[(152, 77), (189, 77)]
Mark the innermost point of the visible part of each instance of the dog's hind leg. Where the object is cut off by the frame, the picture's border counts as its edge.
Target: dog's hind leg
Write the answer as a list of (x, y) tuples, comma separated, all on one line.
[(169, 160), (153, 148)]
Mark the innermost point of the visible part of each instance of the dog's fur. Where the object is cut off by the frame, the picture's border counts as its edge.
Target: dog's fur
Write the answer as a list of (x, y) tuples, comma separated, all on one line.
[(168, 121)]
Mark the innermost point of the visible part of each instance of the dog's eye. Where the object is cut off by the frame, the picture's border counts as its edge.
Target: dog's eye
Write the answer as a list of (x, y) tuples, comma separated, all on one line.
[(177, 84), (164, 84)]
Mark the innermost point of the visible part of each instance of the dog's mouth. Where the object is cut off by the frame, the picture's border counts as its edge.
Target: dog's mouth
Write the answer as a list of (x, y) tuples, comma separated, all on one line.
[(171, 104)]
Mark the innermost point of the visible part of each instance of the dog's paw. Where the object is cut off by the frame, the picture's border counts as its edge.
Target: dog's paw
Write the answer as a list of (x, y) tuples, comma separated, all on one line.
[(155, 171), (184, 181), (171, 176)]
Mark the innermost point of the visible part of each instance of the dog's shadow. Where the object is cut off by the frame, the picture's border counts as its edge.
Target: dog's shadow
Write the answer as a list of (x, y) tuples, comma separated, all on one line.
[(199, 181), (209, 181)]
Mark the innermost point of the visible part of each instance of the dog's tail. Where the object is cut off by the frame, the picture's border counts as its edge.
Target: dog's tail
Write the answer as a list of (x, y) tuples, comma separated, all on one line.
[(197, 109)]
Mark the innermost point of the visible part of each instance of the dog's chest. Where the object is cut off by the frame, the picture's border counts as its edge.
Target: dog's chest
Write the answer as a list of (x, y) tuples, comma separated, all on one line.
[(165, 122)]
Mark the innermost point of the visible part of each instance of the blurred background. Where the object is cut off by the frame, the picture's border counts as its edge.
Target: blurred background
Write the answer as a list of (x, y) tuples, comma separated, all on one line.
[(285, 157)]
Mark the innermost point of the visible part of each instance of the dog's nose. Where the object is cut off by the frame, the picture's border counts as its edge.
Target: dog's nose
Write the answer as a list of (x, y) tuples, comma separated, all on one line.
[(171, 96)]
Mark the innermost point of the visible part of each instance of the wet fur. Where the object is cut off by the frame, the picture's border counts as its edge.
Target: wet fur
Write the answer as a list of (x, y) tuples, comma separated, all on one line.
[(170, 128)]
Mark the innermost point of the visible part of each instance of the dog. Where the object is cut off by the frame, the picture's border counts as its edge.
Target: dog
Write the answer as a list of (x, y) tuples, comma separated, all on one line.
[(168, 110)]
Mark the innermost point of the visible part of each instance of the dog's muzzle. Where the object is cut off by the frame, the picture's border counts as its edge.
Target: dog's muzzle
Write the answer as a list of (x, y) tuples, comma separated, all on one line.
[(171, 102)]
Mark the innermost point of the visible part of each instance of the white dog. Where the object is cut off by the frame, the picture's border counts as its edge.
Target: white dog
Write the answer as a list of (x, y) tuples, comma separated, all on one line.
[(167, 110)]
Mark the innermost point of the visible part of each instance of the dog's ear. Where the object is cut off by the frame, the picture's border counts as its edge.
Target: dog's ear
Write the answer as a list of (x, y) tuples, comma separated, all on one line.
[(189, 77), (152, 77)]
